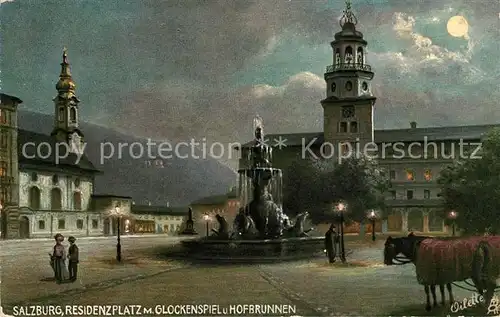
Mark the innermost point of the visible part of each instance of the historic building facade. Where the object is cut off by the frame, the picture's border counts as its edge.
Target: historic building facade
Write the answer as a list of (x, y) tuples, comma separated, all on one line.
[(412, 158), (47, 182), (9, 172)]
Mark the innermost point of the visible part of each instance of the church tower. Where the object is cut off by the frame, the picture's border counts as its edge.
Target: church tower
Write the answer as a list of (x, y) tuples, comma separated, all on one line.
[(66, 109), (348, 107)]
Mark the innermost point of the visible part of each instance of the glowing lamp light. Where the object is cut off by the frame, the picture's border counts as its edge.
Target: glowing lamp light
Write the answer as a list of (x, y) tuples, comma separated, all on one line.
[(341, 207), (206, 217), (453, 214), (372, 214)]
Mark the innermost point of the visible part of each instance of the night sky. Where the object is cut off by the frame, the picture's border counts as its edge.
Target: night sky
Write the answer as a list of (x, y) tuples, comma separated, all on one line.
[(180, 69)]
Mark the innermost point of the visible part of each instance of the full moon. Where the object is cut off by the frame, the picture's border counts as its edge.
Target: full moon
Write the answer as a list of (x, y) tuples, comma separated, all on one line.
[(457, 26)]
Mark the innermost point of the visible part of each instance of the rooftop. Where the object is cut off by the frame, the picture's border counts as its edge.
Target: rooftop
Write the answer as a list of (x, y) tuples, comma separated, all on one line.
[(29, 142), (217, 199), (453, 133), (159, 210)]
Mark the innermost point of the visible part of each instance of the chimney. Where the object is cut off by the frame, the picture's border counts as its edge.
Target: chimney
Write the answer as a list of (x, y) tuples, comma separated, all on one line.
[(413, 125)]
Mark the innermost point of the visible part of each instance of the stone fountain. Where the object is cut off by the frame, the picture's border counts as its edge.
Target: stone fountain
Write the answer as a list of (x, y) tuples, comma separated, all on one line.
[(261, 230)]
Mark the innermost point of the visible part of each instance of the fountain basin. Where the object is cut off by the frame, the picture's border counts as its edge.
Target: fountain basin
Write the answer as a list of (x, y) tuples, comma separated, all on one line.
[(271, 250)]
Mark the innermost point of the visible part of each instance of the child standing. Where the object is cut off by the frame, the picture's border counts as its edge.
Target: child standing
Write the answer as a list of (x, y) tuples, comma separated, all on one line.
[(72, 259)]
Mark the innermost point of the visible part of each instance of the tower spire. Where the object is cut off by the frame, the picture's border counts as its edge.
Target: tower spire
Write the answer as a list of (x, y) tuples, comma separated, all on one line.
[(65, 82), (348, 16)]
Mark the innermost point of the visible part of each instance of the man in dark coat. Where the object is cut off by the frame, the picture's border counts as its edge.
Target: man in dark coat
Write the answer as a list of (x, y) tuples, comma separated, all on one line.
[(73, 259), (331, 240)]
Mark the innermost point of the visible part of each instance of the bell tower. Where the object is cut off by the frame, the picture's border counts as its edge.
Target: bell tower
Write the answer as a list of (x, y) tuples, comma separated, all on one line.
[(66, 109), (348, 107)]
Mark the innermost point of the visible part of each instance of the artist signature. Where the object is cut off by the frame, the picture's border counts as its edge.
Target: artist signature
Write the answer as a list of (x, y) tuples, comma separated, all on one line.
[(474, 300)]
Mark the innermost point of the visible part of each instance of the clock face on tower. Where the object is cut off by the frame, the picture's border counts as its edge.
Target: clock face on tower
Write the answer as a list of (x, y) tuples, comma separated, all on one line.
[(348, 86), (347, 112)]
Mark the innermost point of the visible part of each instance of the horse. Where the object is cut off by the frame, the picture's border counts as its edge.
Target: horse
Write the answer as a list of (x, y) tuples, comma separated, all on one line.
[(408, 246), (486, 267)]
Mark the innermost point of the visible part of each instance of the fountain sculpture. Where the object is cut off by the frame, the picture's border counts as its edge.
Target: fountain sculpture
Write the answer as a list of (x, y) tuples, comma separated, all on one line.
[(260, 228)]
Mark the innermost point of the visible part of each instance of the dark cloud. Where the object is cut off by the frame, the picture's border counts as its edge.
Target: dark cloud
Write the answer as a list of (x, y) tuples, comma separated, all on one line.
[(166, 69)]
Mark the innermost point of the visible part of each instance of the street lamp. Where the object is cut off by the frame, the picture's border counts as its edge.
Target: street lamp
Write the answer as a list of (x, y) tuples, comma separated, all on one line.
[(372, 216), (453, 216), (206, 217), (118, 242), (341, 207)]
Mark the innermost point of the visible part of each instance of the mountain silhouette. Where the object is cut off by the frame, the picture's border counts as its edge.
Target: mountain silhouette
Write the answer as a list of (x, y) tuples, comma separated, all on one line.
[(177, 181)]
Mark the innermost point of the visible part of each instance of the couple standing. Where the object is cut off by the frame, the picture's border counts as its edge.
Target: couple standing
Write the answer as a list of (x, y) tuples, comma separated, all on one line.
[(58, 260)]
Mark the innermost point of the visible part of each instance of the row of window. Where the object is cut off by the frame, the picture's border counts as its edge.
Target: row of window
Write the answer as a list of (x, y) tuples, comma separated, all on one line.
[(61, 224), (410, 175), (55, 179), (72, 114), (55, 199), (349, 56), (410, 194)]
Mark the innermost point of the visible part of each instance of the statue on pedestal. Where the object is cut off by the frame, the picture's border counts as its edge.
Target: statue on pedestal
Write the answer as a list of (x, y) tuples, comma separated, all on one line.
[(189, 230)]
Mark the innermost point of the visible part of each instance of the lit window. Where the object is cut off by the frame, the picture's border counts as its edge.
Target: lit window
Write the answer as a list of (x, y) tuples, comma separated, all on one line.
[(428, 175), (410, 175)]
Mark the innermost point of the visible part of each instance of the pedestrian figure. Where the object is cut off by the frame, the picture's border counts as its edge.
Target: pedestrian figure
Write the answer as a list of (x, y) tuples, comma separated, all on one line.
[(331, 241), (73, 259), (58, 259)]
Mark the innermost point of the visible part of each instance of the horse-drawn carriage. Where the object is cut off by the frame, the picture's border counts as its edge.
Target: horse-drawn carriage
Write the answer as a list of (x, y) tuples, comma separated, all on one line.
[(474, 261)]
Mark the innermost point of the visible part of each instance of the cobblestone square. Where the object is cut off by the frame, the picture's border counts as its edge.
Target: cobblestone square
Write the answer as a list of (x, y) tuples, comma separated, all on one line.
[(313, 288)]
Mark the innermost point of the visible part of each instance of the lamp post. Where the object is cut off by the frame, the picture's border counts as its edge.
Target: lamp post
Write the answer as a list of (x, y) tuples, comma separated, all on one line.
[(118, 242), (453, 216), (206, 217), (373, 217), (341, 209)]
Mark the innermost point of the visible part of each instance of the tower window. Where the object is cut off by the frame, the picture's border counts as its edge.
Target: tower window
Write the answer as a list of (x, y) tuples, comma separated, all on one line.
[(34, 177), (72, 114), (348, 58), (343, 127), (55, 179), (61, 114), (334, 87), (354, 127), (360, 56), (364, 86), (348, 86), (337, 57)]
